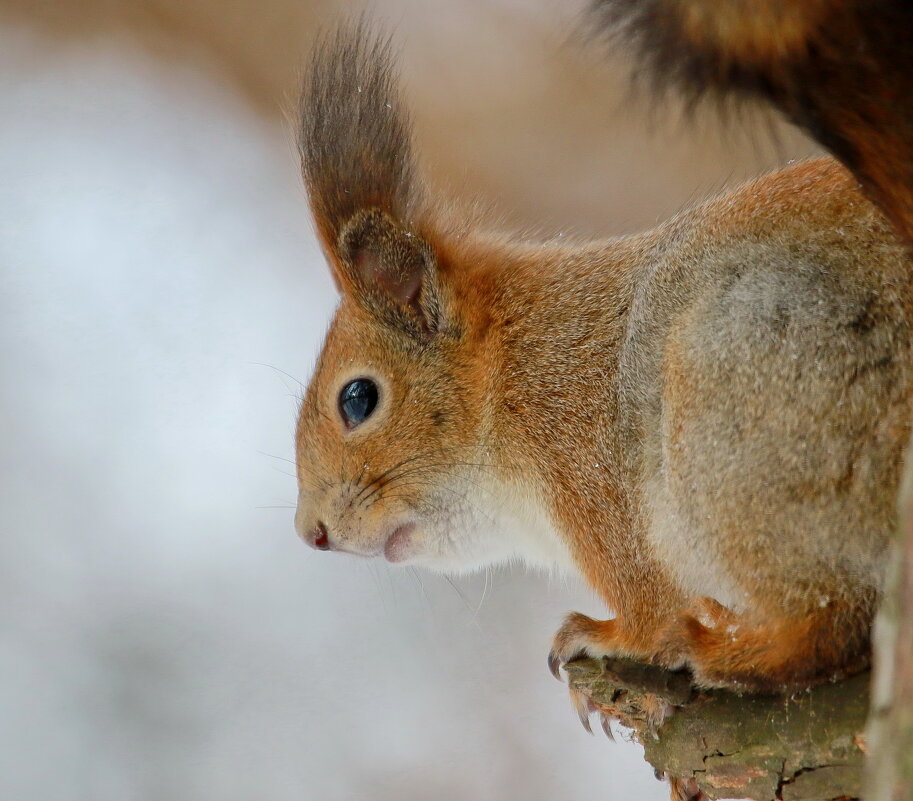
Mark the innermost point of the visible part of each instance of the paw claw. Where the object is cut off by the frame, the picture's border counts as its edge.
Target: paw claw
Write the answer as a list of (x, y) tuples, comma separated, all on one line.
[(554, 664), (585, 721), (582, 636), (570, 642), (606, 726), (584, 707)]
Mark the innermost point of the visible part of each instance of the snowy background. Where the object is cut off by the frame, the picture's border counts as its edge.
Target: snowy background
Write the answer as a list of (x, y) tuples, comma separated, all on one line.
[(163, 634)]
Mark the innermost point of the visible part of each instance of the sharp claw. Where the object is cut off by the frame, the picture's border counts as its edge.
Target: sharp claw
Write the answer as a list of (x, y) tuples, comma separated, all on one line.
[(585, 721), (604, 719), (554, 663), (584, 707)]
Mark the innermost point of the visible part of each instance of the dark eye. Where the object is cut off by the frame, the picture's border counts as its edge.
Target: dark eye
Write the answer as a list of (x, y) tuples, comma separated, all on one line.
[(357, 400)]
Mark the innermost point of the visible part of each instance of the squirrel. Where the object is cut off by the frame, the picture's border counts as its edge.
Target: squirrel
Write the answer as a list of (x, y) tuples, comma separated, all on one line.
[(706, 420)]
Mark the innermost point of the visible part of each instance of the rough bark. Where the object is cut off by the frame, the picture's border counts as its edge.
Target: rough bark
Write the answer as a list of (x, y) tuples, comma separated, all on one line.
[(805, 748), (890, 731)]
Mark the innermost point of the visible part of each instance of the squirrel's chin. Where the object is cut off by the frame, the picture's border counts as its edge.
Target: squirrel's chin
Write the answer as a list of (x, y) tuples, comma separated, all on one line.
[(400, 545)]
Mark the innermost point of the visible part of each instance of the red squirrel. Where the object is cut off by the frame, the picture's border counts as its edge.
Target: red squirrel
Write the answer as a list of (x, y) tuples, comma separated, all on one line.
[(706, 420)]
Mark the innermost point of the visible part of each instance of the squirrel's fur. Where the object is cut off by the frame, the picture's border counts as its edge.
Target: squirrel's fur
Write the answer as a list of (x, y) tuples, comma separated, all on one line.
[(706, 420)]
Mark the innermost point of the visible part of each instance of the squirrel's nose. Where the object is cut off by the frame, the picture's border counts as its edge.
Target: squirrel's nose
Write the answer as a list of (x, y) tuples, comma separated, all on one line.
[(321, 540), (318, 537)]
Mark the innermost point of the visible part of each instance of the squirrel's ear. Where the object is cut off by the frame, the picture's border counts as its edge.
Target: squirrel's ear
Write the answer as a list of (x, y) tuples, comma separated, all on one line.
[(390, 271), (356, 153)]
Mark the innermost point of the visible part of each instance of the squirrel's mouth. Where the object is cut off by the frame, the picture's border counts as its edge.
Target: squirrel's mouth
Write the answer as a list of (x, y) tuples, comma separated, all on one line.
[(399, 545)]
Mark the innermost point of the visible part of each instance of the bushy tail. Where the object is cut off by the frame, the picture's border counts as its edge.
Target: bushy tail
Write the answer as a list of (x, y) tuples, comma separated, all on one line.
[(840, 69)]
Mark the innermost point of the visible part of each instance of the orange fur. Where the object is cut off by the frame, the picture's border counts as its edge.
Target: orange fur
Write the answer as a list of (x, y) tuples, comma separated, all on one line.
[(778, 654)]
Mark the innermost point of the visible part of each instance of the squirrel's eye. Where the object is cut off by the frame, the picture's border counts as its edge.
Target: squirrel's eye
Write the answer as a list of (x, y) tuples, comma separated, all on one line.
[(357, 400)]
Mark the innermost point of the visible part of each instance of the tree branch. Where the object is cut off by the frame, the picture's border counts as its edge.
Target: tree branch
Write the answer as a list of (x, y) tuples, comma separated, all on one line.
[(804, 748)]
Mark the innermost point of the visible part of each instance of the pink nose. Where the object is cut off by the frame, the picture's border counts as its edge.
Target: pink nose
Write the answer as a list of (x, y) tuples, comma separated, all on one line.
[(318, 538)]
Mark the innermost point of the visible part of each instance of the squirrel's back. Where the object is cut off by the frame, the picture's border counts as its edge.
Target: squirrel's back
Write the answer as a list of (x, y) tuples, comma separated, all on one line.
[(768, 374)]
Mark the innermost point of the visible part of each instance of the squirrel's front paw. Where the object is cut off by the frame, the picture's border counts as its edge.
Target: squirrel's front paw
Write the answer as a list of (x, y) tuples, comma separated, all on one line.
[(582, 636)]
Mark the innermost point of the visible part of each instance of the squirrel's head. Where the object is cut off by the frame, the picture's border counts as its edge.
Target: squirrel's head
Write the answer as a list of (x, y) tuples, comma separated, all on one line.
[(391, 451)]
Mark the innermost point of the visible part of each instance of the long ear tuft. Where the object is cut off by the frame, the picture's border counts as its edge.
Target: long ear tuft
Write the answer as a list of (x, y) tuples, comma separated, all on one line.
[(354, 133)]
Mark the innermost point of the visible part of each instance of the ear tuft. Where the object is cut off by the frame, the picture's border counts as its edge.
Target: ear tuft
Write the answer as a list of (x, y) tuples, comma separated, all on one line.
[(354, 133)]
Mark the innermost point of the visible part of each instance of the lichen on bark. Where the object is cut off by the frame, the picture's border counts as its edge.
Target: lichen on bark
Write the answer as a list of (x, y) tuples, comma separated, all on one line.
[(807, 747)]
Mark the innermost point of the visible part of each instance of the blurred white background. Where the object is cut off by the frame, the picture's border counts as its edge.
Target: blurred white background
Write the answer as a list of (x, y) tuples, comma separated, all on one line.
[(163, 634)]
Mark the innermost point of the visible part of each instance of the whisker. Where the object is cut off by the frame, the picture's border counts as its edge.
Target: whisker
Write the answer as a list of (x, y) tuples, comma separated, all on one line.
[(273, 456), (386, 474), (314, 482), (473, 619), (421, 585), (458, 591), (282, 372), (403, 480), (484, 589), (461, 496)]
